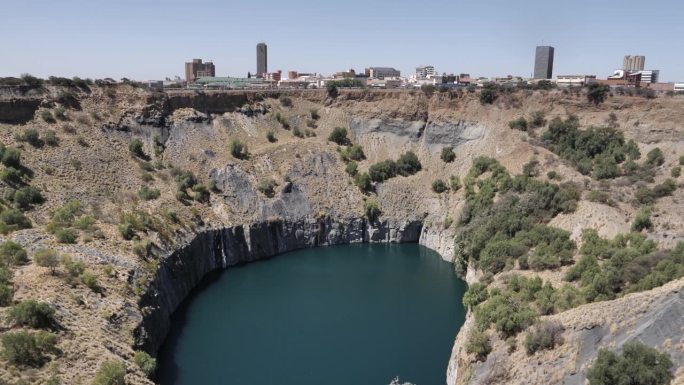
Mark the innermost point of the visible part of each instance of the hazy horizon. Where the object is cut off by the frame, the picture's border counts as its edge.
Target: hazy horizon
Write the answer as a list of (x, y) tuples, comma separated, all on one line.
[(152, 40)]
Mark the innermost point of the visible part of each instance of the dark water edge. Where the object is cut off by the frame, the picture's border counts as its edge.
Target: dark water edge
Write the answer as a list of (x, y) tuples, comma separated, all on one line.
[(356, 314)]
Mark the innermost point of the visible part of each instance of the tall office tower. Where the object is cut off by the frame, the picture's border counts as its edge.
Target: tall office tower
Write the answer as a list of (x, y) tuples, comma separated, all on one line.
[(633, 63), (543, 62), (262, 59)]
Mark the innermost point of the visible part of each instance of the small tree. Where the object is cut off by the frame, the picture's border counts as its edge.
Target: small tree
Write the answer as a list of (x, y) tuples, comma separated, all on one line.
[(363, 182), (46, 258), (270, 136), (655, 157), (448, 155), (110, 373), (339, 136), (544, 336), (488, 95), (597, 93)]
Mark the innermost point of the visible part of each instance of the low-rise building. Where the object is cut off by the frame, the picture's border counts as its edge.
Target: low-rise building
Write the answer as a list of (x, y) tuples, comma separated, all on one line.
[(679, 87), (155, 85), (382, 72), (574, 80), (232, 83), (274, 76)]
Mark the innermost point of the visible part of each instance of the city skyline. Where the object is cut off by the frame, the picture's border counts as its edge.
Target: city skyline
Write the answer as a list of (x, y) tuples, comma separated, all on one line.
[(66, 40)]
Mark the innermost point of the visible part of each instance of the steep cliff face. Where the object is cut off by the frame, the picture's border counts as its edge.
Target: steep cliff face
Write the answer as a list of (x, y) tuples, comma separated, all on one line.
[(214, 249)]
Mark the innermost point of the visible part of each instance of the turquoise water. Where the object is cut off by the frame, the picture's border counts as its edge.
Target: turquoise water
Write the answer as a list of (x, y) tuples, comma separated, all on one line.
[(358, 314)]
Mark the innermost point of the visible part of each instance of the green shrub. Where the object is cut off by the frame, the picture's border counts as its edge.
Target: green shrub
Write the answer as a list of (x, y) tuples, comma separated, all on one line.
[(363, 182), (509, 314), (352, 168), (488, 95), (11, 176), (33, 314), (61, 114), (85, 223), (147, 363), (285, 101), (11, 157), (637, 365), (74, 268), (270, 136), (408, 164), (66, 235), (314, 114), (476, 294), (599, 196), (518, 124), (267, 187), (136, 148), (29, 135), (642, 221), (644, 195), (553, 175), (479, 345), (383, 170), (200, 193), (297, 132), (90, 279), (605, 167), (13, 219), (331, 88), (681, 160), (448, 155), (676, 171), (238, 149), (24, 348), (148, 194), (47, 116), (353, 152), (339, 136), (6, 294), (543, 336), (12, 254), (454, 183), (665, 189), (46, 258), (439, 186), (25, 197), (538, 119), (110, 373), (371, 210), (655, 157)]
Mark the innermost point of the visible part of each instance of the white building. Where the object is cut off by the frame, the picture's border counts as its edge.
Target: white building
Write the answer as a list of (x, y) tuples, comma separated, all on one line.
[(424, 72), (679, 87), (649, 76), (574, 80)]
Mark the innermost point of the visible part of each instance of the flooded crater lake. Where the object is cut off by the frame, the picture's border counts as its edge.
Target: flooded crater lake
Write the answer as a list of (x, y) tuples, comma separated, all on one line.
[(357, 314)]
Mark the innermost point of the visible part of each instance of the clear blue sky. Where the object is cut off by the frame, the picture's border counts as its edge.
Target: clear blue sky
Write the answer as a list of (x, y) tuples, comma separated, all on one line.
[(151, 39)]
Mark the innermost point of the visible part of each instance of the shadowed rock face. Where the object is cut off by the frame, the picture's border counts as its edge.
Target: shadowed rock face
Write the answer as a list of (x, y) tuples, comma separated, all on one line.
[(215, 249), (18, 111)]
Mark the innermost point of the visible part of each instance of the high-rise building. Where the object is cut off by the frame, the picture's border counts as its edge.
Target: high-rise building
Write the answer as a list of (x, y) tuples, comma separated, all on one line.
[(196, 69), (633, 63), (543, 62), (262, 59)]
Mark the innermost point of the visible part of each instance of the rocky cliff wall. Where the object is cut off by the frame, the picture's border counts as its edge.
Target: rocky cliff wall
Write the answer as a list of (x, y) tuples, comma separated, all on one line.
[(214, 249)]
